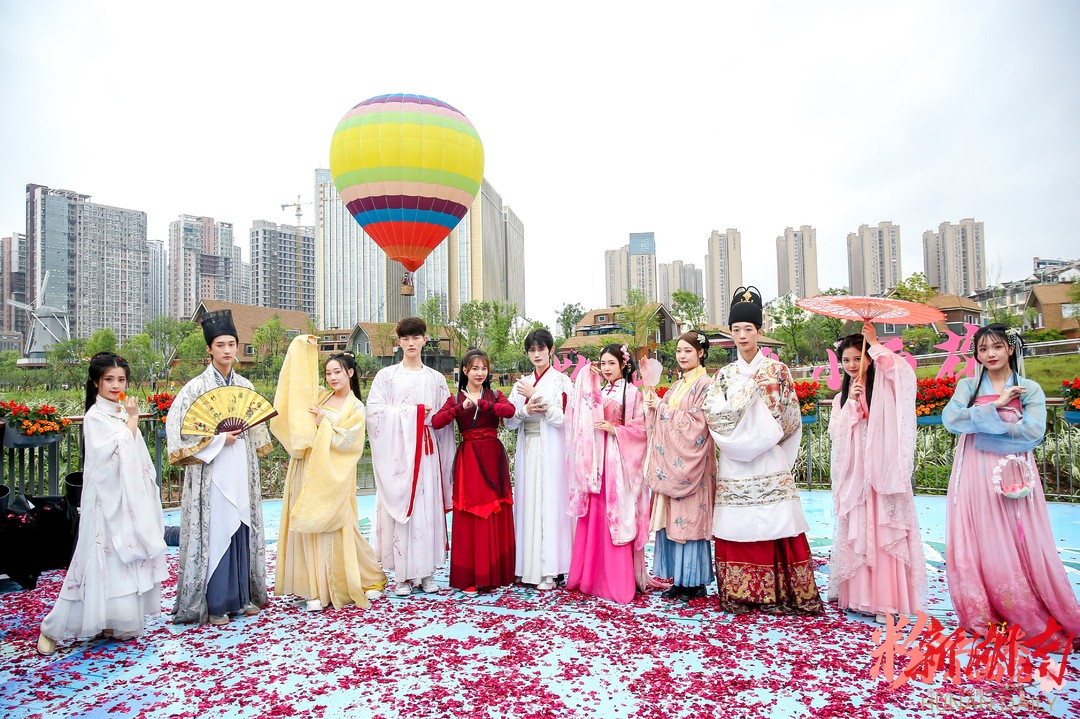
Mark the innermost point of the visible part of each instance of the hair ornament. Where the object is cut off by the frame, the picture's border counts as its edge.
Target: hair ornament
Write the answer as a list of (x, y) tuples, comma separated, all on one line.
[(625, 353)]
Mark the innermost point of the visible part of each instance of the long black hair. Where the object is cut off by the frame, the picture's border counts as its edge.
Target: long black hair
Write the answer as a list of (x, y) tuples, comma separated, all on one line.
[(347, 362), (856, 341), (99, 365), (466, 363), (625, 358), (997, 331)]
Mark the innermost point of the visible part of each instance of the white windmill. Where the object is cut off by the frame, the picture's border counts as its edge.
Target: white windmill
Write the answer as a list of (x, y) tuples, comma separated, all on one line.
[(47, 325)]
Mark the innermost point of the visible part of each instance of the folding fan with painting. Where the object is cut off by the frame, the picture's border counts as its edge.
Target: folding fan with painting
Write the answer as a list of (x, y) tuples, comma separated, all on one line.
[(226, 409)]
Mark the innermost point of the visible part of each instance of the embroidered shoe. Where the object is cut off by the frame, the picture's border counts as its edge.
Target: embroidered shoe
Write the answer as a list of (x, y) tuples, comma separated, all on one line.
[(313, 605), (373, 594), (470, 592), (219, 619), (429, 586), (403, 588), (547, 584), (251, 609)]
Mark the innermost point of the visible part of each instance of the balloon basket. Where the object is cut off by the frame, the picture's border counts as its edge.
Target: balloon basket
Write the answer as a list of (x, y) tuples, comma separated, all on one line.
[(407, 290)]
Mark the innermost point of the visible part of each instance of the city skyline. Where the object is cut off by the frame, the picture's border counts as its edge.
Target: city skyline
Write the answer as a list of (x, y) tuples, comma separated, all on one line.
[(124, 141)]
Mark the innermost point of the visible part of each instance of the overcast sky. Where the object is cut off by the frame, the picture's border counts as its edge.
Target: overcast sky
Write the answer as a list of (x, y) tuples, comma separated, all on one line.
[(598, 119)]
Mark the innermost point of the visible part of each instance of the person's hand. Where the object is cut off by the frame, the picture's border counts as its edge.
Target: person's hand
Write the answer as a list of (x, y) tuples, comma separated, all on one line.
[(651, 400), (132, 406), (595, 369), (536, 405), (231, 437), (319, 413), (605, 426), (1007, 396), (468, 403), (525, 389), (313, 340), (870, 333), (856, 391)]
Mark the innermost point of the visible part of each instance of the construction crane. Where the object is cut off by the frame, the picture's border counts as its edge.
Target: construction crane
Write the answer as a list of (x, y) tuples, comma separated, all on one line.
[(299, 248)]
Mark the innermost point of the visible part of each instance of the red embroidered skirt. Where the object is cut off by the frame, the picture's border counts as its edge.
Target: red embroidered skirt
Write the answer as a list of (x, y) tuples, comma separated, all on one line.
[(775, 576)]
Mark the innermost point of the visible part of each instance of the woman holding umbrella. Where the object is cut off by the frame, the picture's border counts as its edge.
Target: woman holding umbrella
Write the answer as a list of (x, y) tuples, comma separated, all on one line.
[(877, 564)]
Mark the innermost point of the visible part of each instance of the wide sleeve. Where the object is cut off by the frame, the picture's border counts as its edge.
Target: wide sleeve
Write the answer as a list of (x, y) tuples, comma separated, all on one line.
[(681, 448), (297, 389), (183, 448), (956, 417), (392, 434), (329, 488), (517, 401), (1022, 436), (890, 434), (740, 436), (556, 411), (119, 466), (584, 446), (447, 414), (500, 406)]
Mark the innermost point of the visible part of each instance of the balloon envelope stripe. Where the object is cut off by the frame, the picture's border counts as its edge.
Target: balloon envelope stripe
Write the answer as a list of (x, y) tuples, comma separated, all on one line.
[(406, 202), (402, 97), (406, 174), (408, 118), (400, 214)]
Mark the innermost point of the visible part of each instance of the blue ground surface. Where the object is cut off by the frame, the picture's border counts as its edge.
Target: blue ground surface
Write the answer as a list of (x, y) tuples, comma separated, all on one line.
[(515, 652)]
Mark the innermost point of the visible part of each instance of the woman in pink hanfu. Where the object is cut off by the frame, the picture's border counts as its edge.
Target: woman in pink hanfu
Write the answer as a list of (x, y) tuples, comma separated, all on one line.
[(1000, 556), (877, 565), (606, 429)]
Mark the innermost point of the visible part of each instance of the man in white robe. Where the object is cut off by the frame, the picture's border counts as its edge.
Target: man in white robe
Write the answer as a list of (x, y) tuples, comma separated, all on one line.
[(222, 563), (412, 463), (542, 528)]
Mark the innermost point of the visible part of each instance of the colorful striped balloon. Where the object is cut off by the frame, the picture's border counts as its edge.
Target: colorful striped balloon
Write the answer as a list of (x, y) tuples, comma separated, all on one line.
[(408, 167)]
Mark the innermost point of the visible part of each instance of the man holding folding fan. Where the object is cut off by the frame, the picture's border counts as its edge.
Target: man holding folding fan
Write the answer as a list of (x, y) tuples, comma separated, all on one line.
[(222, 568)]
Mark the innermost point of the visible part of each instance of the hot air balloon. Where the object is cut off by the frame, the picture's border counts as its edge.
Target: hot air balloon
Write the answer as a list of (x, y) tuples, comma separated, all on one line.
[(408, 167)]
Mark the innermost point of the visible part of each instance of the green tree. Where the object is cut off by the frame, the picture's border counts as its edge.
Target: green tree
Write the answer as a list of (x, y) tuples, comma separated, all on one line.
[(270, 344), (103, 340), (189, 356), (639, 319), (920, 339), (367, 366), (66, 361), (689, 307), (787, 319), (433, 312), (569, 316), (914, 289), (1043, 336), (9, 359), (138, 350), (166, 333)]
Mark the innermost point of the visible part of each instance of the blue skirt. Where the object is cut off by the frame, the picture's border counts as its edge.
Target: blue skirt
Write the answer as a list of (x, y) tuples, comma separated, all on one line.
[(689, 564)]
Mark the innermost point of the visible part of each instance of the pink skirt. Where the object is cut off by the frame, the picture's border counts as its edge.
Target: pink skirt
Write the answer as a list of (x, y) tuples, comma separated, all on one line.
[(597, 566)]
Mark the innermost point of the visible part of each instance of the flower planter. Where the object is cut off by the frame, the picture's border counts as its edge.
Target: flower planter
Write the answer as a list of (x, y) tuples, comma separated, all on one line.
[(1072, 416), (810, 418), (14, 439), (928, 419)]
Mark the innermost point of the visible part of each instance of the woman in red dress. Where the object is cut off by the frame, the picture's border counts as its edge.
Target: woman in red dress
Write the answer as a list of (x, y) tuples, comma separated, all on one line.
[(482, 536)]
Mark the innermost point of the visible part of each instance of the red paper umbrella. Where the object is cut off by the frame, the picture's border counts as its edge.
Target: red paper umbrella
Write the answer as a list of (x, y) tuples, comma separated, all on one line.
[(872, 309)]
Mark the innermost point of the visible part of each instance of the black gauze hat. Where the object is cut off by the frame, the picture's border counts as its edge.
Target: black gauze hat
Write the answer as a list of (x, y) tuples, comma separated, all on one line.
[(217, 323), (746, 307)]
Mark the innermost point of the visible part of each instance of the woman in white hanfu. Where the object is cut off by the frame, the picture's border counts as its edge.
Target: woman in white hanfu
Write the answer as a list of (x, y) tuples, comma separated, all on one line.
[(114, 579), (542, 528)]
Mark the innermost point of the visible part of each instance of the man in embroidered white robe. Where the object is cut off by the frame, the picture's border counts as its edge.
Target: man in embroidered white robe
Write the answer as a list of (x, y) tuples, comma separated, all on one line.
[(412, 464), (222, 563), (543, 531)]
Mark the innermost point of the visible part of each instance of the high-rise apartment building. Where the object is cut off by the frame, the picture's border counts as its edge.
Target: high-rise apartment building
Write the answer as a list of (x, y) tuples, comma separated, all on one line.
[(88, 260), (158, 297), (486, 254), (874, 259), (674, 276), (631, 267), (204, 263), (954, 257), (12, 282), (723, 273), (796, 262), (283, 266)]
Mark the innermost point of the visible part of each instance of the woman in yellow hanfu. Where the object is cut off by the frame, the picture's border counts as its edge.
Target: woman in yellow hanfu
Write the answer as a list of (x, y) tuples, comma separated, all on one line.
[(321, 555)]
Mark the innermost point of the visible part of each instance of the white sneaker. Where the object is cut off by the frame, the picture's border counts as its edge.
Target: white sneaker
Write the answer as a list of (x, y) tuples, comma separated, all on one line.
[(373, 594), (403, 588), (313, 605), (547, 584), (428, 585)]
